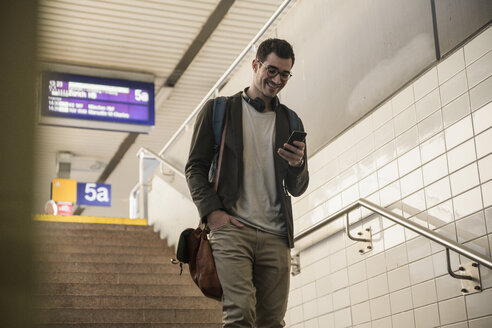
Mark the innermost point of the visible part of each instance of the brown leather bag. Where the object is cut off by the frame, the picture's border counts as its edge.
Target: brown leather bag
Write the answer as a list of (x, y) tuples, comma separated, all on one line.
[(194, 247), (202, 265)]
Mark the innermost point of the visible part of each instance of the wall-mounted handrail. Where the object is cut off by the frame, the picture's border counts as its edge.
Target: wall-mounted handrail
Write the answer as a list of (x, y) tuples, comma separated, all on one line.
[(156, 156), (432, 235), (141, 187)]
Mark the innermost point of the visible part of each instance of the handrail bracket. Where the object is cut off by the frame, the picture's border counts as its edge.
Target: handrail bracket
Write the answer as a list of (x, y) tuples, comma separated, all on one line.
[(469, 275), (364, 237), (295, 261)]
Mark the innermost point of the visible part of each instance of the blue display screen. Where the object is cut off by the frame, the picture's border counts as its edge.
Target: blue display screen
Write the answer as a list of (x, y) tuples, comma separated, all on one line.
[(97, 99)]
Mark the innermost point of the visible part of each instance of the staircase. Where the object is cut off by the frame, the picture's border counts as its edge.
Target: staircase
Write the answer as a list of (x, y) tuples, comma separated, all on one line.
[(108, 275)]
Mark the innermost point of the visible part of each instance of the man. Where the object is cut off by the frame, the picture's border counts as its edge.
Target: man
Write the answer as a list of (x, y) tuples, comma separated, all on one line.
[(250, 216)]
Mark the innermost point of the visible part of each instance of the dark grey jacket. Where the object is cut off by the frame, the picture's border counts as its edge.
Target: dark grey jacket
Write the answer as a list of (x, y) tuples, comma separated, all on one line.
[(201, 153)]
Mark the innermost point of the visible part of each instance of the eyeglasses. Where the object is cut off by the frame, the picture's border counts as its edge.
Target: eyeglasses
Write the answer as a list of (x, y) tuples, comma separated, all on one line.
[(273, 71)]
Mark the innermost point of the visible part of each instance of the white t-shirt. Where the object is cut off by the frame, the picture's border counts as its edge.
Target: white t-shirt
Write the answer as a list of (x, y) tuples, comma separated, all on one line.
[(259, 204)]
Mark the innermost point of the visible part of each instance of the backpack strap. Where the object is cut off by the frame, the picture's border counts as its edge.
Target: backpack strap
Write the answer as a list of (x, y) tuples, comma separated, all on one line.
[(294, 120), (218, 115), (221, 150)]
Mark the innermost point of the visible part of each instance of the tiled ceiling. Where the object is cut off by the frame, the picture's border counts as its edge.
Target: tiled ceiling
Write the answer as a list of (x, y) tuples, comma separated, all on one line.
[(142, 36)]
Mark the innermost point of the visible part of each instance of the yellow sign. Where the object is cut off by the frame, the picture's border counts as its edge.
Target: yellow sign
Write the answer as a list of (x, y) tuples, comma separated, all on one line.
[(64, 190)]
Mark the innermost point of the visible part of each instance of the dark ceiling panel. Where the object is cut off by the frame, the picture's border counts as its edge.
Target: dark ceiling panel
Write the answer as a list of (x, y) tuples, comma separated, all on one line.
[(459, 19)]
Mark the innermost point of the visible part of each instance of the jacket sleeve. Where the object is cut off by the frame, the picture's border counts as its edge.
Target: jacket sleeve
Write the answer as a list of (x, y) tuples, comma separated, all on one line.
[(297, 179), (198, 164)]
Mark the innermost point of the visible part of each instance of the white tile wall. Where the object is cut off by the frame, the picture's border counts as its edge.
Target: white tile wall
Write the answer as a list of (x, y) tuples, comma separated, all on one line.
[(461, 155), (471, 227), (480, 323), (478, 47), (424, 293), (483, 144), (426, 154), (435, 169), (432, 148), (459, 132), (451, 66), (447, 287), (457, 325), (437, 192), (456, 110), (479, 70), (425, 84), (380, 307), (343, 318), (482, 118), (428, 105), (407, 140), (378, 286), (452, 311), (481, 94), (454, 87), (405, 120), (427, 316), (430, 126), (403, 320), (464, 179), (402, 100)]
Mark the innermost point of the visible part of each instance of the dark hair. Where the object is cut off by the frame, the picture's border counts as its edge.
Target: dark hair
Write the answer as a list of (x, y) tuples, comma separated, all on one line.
[(281, 48)]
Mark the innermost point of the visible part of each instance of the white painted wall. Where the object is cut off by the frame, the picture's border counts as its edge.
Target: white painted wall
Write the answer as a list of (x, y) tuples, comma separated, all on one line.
[(170, 208)]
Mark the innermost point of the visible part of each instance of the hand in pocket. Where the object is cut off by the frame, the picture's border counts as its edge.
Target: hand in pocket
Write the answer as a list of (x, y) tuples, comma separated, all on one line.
[(219, 218)]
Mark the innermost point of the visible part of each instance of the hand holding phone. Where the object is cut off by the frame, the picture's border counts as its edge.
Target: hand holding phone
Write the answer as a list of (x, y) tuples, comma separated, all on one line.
[(294, 156), (296, 136)]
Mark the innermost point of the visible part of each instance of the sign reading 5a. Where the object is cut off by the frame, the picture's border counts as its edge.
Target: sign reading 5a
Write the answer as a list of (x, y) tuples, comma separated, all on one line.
[(97, 194)]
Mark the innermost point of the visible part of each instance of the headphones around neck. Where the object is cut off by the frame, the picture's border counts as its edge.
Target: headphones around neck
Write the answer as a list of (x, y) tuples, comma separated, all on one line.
[(259, 104)]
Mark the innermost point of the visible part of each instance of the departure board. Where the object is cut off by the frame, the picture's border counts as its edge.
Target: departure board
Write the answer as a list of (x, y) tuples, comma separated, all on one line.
[(88, 99)]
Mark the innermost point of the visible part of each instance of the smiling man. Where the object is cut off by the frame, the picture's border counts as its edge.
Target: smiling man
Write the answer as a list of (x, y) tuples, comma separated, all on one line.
[(250, 215)]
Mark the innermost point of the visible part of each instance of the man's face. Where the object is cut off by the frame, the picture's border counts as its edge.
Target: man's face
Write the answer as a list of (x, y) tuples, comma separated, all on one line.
[(267, 87)]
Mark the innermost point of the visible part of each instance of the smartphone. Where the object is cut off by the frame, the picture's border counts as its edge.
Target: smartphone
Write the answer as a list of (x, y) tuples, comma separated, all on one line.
[(296, 136)]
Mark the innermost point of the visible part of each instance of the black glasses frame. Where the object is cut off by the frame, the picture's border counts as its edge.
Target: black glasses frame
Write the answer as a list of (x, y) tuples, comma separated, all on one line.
[(273, 71)]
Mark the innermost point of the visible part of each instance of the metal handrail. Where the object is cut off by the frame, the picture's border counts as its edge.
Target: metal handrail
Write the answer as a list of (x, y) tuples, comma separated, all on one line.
[(432, 235), (147, 151), (134, 210)]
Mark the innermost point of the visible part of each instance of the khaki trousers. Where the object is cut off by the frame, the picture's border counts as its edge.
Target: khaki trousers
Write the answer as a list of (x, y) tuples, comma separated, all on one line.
[(253, 267)]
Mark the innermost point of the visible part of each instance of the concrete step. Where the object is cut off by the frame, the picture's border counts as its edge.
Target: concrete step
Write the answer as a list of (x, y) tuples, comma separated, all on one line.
[(125, 302), (114, 278), (130, 325), (104, 258), (44, 226), (93, 289), (41, 248), (139, 240), (97, 275), (91, 267), (113, 316), (98, 233)]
